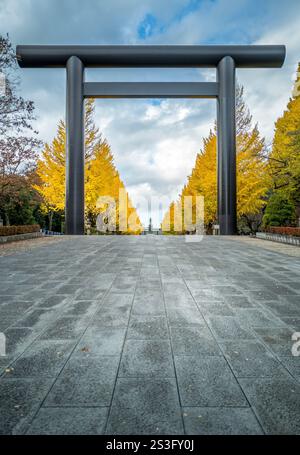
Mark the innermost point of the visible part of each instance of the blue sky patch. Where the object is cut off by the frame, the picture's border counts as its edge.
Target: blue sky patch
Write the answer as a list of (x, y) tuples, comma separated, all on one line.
[(147, 26), (190, 7)]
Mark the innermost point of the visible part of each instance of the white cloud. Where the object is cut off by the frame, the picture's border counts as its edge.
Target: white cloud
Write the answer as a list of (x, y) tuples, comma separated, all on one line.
[(267, 91)]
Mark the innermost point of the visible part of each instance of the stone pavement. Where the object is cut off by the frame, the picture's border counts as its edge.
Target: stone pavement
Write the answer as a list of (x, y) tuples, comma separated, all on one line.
[(149, 335)]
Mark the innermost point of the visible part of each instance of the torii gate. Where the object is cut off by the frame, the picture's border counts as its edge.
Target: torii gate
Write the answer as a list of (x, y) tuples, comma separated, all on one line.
[(224, 58)]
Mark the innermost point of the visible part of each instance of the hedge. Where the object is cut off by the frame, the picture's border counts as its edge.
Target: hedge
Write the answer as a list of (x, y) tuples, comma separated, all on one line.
[(294, 231), (14, 230)]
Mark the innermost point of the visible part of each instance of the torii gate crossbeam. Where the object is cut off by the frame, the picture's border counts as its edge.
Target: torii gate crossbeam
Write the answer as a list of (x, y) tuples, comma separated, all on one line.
[(224, 58)]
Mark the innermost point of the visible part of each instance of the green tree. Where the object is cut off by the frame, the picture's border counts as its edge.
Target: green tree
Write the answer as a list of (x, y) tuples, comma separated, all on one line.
[(20, 210), (279, 211)]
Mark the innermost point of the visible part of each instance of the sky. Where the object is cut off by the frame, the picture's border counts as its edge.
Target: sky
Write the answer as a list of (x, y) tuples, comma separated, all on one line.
[(155, 142)]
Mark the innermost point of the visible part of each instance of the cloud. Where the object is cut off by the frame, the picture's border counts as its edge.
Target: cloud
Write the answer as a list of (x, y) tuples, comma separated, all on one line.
[(267, 91)]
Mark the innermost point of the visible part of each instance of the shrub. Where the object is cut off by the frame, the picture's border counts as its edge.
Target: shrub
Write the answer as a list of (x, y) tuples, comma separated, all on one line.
[(284, 230), (14, 230)]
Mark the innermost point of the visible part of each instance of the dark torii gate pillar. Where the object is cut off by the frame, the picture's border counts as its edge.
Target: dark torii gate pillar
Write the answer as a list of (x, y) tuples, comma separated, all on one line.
[(74, 206), (224, 58), (226, 129)]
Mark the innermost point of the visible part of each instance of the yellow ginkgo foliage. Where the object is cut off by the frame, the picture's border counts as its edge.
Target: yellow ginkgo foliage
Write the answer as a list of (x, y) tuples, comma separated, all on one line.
[(252, 177), (285, 154), (101, 176)]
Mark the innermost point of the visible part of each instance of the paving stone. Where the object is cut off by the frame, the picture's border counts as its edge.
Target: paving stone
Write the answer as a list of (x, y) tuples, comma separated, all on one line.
[(279, 289), (279, 340), (145, 358), (207, 381), (147, 327), (200, 285), (261, 294), (18, 339), (16, 307), (228, 290), (5, 361), (254, 317), (65, 328), (19, 401), (184, 316), (111, 317), (103, 282), (193, 340), (89, 294), (43, 358), (284, 308), (53, 284), (175, 301), (168, 278), (237, 301), (276, 402), (17, 289), (292, 363), (36, 319), (125, 285), (293, 322), (250, 359), (116, 300), (215, 308), (6, 321), (149, 304), (85, 381), (68, 289), (220, 421), (53, 301), (101, 341), (149, 288), (35, 295), (81, 308), (209, 292), (144, 406), (178, 288), (294, 285), (228, 328), (69, 421), (147, 282)]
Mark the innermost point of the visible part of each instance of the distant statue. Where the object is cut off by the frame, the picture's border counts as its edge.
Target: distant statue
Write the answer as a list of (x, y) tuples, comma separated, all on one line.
[(150, 225)]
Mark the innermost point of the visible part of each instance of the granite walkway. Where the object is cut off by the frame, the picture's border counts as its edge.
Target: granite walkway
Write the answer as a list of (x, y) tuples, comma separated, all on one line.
[(149, 335)]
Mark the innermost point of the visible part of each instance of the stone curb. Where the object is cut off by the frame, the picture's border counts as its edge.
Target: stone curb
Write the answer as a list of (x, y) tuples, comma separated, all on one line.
[(14, 238)]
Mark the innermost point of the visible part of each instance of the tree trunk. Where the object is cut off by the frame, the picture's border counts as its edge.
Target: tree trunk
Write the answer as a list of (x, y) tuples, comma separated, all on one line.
[(50, 220), (7, 223)]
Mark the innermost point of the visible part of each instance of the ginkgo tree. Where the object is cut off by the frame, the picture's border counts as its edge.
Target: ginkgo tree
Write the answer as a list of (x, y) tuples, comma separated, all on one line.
[(253, 180), (101, 175), (284, 159)]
